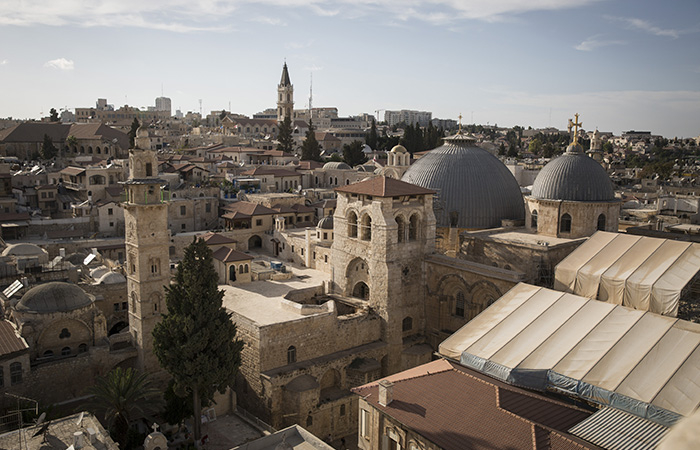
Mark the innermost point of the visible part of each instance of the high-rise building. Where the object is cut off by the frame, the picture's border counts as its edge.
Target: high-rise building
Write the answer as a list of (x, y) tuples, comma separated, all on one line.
[(163, 104), (409, 117)]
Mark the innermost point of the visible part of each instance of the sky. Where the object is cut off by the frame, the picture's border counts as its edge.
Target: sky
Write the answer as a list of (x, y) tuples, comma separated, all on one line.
[(621, 64)]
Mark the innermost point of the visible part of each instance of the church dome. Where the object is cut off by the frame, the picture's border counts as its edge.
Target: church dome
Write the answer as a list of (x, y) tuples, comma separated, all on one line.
[(573, 176), (54, 297), (335, 165), (326, 223), (474, 189), (399, 149), (23, 249)]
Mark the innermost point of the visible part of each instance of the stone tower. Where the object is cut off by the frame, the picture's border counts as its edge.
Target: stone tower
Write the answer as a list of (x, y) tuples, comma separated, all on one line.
[(383, 229), (285, 96), (147, 242)]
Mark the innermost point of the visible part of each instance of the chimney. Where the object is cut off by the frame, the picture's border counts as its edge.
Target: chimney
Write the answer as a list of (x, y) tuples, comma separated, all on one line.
[(78, 440), (386, 392), (92, 435)]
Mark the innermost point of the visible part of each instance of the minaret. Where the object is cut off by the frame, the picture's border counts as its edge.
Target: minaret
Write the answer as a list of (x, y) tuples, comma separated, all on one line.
[(147, 242), (285, 97)]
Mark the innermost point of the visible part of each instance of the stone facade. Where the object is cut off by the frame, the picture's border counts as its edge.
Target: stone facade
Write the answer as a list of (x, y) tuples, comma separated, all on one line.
[(570, 219)]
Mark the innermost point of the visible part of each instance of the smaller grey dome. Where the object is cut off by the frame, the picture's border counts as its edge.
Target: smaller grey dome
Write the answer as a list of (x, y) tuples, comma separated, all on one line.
[(326, 223), (23, 249), (335, 165), (573, 176), (52, 297), (111, 278)]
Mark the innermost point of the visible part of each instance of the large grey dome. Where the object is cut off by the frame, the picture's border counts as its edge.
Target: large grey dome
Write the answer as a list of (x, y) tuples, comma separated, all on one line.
[(54, 297), (474, 189), (573, 176)]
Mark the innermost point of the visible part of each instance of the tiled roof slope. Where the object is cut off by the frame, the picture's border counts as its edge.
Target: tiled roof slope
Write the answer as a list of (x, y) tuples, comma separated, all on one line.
[(384, 187), (456, 408)]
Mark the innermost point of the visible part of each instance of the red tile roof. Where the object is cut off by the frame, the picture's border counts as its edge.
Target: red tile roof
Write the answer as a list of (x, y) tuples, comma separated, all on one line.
[(225, 254), (384, 187), (217, 239), (270, 171), (457, 408), (249, 208), (10, 340)]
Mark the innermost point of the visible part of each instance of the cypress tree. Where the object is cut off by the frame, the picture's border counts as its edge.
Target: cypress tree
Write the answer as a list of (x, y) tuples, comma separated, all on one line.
[(310, 148), (284, 136), (196, 341)]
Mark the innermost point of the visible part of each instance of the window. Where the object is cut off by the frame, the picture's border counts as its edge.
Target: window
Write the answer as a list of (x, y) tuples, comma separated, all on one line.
[(352, 224), (16, 373), (565, 224), (533, 219), (43, 195), (183, 210), (48, 354), (116, 307), (82, 348), (125, 306), (110, 211), (149, 169), (401, 229), (325, 258), (207, 207), (364, 423), (459, 304), (342, 410), (65, 351), (366, 228), (258, 222), (155, 266), (601, 222), (291, 354), (407, 324), (183, 226)]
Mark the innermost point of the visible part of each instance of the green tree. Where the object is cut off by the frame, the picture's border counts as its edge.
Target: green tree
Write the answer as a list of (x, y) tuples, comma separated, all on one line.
[(512, 151), (502, 150), (223, 114), (132, 132), (352, 154), (284, 136), (121, 396), (310, 148), (196, 340), (48, 150), (53, 115), (372, 139), (535, 146)]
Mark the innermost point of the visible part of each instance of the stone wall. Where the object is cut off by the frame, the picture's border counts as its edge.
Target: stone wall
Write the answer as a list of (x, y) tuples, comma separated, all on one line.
[(584, 216)]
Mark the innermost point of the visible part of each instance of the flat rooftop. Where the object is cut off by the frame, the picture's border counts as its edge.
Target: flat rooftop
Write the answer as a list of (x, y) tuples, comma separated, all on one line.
[(262, 301), (519, 236)]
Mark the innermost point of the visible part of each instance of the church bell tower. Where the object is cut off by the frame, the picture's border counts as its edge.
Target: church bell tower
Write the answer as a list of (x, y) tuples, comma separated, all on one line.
[(285, 97), (147, 242)]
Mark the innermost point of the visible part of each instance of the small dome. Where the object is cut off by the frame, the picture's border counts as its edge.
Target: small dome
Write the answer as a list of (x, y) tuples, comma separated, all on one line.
[(326, 223), (23, 249), (474, 189), (368, 168), (399, 149), (111, 278), (573, 176), (54, 297), (335, 165)]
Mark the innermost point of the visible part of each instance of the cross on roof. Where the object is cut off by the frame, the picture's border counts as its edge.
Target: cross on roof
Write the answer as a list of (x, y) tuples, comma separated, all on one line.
[(575, 123)]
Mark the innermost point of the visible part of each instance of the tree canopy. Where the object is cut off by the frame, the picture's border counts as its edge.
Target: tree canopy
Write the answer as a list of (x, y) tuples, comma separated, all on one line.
[(310, 148), (352, 154), (132, 132), (372, 139), (284, 136), (122, 396), (196, 340), (53, 115), (48, 150)]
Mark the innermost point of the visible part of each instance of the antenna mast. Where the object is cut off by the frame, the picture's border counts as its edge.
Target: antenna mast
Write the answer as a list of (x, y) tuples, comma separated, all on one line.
[(311, 96)]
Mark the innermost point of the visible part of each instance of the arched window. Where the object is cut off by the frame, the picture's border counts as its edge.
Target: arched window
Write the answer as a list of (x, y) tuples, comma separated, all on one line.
[(407, 324), (601, 222), (460, 304), (309, 421), (533, 219), (65, 351), (352, 224), (16, 373), (48, 354), (82, 348), (240, 268), (413, 228), (366, 228), (232, 273), (291, 354), (246, 269), (565, 224), (401, 229)]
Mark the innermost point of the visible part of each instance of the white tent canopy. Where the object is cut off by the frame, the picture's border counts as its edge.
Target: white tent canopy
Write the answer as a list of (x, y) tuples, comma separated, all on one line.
[(636, 271), (640, 362)]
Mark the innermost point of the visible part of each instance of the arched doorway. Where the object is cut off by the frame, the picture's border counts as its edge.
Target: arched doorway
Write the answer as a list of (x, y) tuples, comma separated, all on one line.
[(117, 327), (254, 242), (232, 273), (361, 290)]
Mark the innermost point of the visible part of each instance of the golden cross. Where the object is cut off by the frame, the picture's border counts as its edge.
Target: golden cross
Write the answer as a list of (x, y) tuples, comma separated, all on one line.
[(575, 124), (460, 123)]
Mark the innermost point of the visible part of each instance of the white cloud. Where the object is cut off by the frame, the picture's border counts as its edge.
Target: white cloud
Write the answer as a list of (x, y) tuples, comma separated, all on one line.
[(269, 21), (3, 62), (595, 42), (60, 63), (634, 23), (216, 15)]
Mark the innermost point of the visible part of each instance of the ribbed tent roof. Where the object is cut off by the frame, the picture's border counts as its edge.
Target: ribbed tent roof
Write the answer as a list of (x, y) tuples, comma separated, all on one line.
[(637, 271), (474, 189), (639, 362)]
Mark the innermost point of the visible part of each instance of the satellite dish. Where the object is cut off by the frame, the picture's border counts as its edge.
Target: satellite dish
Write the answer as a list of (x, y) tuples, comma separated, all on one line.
[(44, 428), (80, 418), (41, 418)]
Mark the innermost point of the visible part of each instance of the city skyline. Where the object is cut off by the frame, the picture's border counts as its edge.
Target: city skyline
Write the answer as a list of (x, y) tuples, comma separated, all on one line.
[(621, 65)]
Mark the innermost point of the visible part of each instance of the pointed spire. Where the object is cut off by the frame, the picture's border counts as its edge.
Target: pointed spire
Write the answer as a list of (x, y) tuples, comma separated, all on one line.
[(285, 76)]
